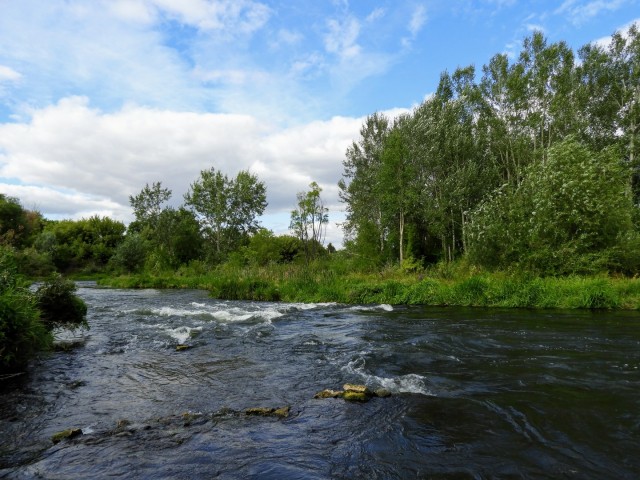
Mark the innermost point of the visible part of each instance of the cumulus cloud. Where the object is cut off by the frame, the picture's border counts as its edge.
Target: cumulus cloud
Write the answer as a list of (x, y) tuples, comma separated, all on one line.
[(624, 31), (71, 160)]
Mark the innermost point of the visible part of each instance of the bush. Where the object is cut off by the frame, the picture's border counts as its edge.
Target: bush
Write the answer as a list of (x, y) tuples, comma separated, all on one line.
[(131, 254), (22, 334), (59, 306)]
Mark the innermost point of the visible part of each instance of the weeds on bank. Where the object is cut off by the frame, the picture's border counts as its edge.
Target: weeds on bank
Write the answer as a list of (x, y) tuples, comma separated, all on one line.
[(457, 284)]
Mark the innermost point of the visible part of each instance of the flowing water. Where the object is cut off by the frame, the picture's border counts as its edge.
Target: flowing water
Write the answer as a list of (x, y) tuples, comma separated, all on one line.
[(476, 393)]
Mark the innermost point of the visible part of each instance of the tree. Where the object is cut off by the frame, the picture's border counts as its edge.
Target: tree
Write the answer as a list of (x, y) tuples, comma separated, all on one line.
[(309, 221), (147, 205), (358, 187), (228, 209), (18, 226), (611, 78), (397, 176), (178, 236)]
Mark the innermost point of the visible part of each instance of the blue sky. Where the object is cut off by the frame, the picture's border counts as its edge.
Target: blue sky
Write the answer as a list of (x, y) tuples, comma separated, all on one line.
[(99, 97)]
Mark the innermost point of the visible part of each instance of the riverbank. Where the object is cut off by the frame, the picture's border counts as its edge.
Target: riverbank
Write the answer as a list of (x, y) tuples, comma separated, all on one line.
[(296, 284)]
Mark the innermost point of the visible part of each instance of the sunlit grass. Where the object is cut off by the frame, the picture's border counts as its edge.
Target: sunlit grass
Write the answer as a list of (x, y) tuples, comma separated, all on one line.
[(440, 286)]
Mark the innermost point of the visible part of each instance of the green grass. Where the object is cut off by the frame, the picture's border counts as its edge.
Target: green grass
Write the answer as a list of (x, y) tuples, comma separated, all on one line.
[(464, 287)]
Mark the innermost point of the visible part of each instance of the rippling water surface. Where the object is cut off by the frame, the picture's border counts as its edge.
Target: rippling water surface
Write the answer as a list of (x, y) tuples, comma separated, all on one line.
[(476, 393)]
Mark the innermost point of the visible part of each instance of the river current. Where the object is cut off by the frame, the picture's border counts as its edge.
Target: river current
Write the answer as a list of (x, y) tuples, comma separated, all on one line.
[(476, 393)]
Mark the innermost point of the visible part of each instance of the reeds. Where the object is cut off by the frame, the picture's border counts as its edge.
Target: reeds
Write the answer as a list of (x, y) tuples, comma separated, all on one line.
[(321, 283)]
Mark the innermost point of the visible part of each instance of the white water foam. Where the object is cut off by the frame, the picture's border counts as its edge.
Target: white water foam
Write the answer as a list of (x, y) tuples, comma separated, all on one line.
[(373, 308), (222, 315), (410, 383), (182, 334), (309, 306)]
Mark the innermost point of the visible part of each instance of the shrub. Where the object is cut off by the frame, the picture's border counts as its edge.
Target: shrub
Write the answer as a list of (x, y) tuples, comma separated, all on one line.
[(22, 333), (59, 306)]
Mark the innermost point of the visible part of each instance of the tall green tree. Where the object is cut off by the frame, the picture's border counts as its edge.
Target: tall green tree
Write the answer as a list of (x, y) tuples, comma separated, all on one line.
[(309, 220), (358, 187), (611, 78), (147, 205), (396, 181), (228, 208)]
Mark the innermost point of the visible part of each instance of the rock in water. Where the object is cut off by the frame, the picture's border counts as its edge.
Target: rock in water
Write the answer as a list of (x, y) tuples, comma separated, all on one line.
[(328, 393), (351, 396), (382, 393), (69, 433), (181, 347), (281, 412), (350, 387)]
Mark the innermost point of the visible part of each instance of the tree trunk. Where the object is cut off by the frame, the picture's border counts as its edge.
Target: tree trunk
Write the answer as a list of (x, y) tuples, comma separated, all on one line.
[(401, 228)]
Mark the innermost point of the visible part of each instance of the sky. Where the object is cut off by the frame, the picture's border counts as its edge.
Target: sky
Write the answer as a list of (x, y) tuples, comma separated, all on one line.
[(100, 97)]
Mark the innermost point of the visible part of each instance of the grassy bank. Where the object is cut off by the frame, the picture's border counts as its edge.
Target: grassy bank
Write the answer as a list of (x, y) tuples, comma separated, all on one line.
[(298, 284)]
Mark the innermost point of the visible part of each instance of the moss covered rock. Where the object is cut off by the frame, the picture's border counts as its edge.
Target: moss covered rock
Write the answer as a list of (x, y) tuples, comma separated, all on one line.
[(64, 434), (281, 412)]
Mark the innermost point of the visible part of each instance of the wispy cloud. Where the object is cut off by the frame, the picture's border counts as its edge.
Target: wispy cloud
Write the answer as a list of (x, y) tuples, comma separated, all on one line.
[(418, 20), (8, 74), (375, 15), (243, 16), (578, 12), (341, 37)]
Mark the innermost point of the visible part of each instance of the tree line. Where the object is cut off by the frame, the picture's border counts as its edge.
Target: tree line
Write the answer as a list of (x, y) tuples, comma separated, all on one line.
[(218, 222), (532, 163)]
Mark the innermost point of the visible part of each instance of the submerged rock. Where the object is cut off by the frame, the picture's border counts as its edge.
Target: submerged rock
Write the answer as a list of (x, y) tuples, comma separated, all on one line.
[(281, 412), (382, 393), (69, 433)]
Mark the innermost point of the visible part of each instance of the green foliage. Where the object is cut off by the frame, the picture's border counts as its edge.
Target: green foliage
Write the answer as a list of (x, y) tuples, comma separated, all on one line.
[(491, 168), (131, 254), (568, 215), (59, 306), (227, 208), (81, 244), (264, 248), (309, 221), (22, 334), (17, 225), (147, 205)]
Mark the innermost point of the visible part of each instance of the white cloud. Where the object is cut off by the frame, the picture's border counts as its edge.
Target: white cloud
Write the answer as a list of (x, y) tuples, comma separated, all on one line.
[(341, 38), (71, 160), (9, 74), (579, 12), (243, 16), (418, 20), (286, 38), (624, 31), (533, 27), (376, 15)]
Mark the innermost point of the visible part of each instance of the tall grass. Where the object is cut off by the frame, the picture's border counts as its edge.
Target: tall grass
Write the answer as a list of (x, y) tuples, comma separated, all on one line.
[(461, 287)]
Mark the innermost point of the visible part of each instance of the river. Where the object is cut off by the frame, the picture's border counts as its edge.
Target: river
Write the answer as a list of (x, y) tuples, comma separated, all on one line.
[(476, 393)]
